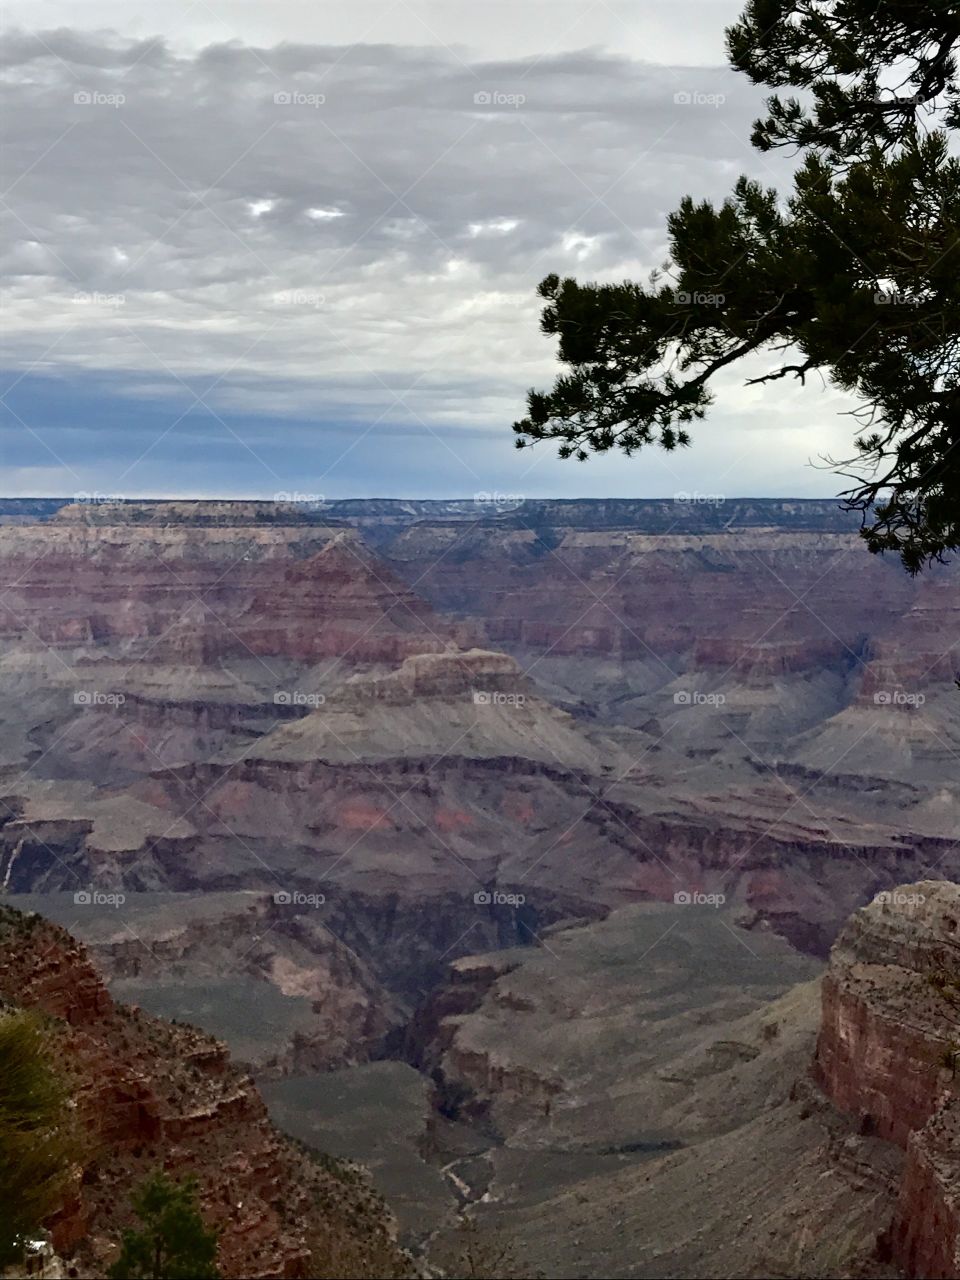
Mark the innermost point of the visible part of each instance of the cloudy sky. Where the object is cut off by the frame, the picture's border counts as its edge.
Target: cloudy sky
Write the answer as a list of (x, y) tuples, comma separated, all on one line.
[(254, 248)]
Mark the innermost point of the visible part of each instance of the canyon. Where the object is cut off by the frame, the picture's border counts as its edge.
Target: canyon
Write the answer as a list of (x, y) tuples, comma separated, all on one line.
[(887, 1053), (149, 1095), (653, 1119), (463, 789)]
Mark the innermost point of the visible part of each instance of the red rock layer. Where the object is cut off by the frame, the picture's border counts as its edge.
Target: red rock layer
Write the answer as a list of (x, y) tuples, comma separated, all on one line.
[(925, 1236), (761, 601), (152, 1095), (891, 1013), (876, 1065), (186, 594)]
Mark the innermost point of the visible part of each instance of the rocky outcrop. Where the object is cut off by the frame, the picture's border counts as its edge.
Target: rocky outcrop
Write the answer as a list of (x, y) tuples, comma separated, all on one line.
[(454, 674), (887, 1053), (152, 1095), (925, 1235), (889, 1021)]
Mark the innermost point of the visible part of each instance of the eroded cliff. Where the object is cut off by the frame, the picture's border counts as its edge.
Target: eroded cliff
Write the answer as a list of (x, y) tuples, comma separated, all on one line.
[(151, 1095), (887, 1053)]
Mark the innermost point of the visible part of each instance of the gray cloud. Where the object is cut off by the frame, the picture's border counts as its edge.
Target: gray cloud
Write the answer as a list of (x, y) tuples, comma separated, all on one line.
[(322, 228)]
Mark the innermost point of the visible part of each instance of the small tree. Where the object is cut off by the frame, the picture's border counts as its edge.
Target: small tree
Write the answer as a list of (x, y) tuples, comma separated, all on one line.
[(855, 276), (173, 1244), (37, 1142)]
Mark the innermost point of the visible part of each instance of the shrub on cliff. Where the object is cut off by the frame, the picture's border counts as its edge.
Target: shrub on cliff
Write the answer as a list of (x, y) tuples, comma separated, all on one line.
[(855, 277), (37, 1143), (173, 1244)]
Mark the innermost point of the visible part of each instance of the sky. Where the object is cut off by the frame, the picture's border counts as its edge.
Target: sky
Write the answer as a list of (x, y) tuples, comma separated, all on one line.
[(259, 249)]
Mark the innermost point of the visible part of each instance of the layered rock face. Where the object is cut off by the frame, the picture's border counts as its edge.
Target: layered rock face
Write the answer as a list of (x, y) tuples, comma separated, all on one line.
[(925, 1236), (200, 594), (645, 1083), (769, 599), (765, 587), (888, 1021), (887, 1054), (151, 1096)]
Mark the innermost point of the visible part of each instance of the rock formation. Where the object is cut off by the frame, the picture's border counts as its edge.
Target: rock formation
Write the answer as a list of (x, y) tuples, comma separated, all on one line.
[(325, 752), (887, 1053), (183, 593), (152, 1095), (245, 697)]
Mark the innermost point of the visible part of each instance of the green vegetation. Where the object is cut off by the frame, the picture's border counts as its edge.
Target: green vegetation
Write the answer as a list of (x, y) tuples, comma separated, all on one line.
[(855, 276), (173, 1244), (37, 1142)]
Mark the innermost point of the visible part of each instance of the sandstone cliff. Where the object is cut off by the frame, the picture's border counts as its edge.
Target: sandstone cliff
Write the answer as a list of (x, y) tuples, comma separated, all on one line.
[(887, 1053), (197, 595), (150, 1094)]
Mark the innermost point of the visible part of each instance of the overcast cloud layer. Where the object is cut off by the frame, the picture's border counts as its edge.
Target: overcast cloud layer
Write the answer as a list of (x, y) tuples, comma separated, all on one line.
[(247, 268)]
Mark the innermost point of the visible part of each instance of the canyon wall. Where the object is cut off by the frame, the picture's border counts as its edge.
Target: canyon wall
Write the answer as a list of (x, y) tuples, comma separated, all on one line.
[(187, 593), (405, 707), (761, 601), (887, 1053), (150, 1095)]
